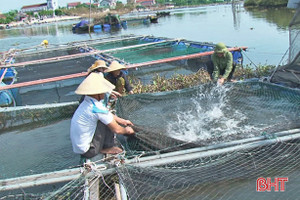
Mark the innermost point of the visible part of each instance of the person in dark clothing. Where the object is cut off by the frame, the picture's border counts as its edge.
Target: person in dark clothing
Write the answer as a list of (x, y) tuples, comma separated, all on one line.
[(223, 64), (118, 78)]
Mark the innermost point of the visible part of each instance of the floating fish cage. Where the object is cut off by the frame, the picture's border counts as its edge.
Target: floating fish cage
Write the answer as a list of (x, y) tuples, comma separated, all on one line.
[(187, 142), (144, 56), (49, 76)]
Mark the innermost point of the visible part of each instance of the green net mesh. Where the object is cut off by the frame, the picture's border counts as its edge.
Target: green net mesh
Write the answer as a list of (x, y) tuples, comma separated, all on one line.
[(162, 50)]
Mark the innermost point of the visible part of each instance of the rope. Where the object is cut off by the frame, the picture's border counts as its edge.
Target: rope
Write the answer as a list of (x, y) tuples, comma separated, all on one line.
[(250, 60)]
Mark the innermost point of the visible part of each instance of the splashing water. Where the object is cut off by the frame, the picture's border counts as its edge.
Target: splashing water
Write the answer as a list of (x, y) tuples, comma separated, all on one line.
[(210, 116)]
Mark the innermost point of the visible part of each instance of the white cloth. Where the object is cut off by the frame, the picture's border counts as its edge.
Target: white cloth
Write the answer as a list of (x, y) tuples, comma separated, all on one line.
[(84, 123)]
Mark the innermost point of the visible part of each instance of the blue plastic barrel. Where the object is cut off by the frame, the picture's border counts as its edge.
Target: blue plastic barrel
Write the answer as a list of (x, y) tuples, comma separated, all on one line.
[(98, 26)]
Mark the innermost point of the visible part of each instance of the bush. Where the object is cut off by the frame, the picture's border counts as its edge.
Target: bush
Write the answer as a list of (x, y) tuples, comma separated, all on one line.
[(251, 3), (266, 3)]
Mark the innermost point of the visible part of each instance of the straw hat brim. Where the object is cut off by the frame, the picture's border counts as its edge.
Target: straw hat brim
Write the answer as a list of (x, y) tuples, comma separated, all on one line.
[(114, 66), (94, 84), (95, 66)]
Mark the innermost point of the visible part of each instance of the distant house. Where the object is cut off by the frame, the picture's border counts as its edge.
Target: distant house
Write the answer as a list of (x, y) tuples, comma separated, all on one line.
[(145, 2), (93, 4), (108, 3), (170, 5), (73, 5), (50, 5), (34, 8), (2, 16)]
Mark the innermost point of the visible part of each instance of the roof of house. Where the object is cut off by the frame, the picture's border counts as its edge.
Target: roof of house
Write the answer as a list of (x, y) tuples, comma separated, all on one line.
[(74, 4), (34, 6)]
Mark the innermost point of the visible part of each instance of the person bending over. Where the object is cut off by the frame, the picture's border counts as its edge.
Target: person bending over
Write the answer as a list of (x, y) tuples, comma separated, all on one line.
[(93, 125), (223, 64)]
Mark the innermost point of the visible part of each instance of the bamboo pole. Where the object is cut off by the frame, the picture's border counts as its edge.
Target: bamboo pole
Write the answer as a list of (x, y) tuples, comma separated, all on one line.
[(79, 43), (42, 81), (117, 191), (47, 178), (123, 192)]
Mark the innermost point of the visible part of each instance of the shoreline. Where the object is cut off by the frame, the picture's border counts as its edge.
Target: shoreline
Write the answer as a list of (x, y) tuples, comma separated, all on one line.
[(46, 20), (120, 13)]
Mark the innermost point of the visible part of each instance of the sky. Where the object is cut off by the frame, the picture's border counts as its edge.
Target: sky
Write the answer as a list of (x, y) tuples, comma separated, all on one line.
[(7, 5)]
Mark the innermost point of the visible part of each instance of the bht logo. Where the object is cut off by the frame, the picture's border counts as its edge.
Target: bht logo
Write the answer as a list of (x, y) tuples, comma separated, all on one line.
[(263, 184)]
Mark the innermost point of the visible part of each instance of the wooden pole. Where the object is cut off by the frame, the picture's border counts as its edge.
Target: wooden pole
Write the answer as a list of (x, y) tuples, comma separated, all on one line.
[(117, 191)]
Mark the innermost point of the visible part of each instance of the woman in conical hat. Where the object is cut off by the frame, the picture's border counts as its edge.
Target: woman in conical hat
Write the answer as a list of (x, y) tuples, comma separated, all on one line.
[(99, 67), (93, 125), (118, 78)]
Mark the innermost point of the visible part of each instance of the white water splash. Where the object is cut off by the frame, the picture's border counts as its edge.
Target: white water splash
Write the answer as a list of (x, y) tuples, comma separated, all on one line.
[(211, 116)]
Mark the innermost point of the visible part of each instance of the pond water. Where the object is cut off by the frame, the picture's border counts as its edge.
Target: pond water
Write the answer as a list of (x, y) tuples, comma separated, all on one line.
[(264, 32)]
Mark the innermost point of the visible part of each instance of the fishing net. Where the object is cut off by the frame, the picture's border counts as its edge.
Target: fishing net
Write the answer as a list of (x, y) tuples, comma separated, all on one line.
[(162, 50), (208, 115), (288, 75), (294, 30), (205, 142)]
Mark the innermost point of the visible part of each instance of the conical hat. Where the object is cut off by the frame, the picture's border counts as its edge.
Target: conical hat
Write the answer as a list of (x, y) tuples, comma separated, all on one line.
[(97, 64), (94, 84), (115, 65)]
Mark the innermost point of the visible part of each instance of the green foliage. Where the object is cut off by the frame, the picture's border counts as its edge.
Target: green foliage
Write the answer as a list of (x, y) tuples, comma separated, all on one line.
[(9, 17), (2, 21), (179, 81), (59, 12), (251, 2), (266, 3), (119, 5), (46, 13), (162, 2), (248, 72), (82, 6)]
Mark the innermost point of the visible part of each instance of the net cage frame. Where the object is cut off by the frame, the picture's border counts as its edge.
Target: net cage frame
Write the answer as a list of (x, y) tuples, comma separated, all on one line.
[(81, 183), (44, 64)]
